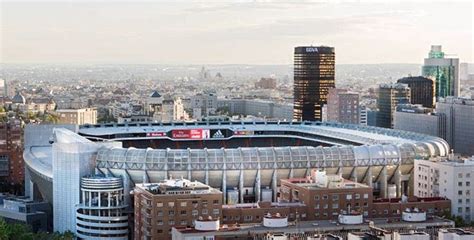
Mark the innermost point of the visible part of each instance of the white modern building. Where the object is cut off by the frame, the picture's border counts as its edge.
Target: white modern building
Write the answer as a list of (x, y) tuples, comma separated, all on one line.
[(101, 213), (451, 179), (72, 158)]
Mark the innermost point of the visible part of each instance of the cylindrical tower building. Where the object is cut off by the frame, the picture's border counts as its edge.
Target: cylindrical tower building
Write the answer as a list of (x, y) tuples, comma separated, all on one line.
[(101, 213)]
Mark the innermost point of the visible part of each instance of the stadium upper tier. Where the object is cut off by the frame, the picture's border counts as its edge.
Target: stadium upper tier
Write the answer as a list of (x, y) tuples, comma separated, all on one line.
[(348, 147)]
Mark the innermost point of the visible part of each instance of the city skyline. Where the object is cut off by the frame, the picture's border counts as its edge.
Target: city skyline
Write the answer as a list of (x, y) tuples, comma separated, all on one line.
[(231, 32)]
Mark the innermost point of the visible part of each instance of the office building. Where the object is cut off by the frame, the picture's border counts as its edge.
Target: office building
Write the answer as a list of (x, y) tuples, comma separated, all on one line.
[(444, 70), (326, 195), (419, 119), (258, 108), (11, 151), (343, 106), (390, 95), (101, 213), (422, 90), (459, 114), (77, 116), (14, 209), (266, 83), (451, 179), (314, 70), (173, 202), (363, 115), (203, 105), (170, 110)]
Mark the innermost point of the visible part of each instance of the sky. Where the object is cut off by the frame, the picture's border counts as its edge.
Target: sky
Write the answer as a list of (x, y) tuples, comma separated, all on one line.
[(231, 32)]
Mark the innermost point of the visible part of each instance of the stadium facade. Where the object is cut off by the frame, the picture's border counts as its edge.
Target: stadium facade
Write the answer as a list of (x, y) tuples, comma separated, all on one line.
[(248, 157)]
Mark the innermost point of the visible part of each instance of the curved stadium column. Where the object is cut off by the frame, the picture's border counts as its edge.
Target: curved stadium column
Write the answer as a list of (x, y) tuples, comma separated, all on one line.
[(101, 213)]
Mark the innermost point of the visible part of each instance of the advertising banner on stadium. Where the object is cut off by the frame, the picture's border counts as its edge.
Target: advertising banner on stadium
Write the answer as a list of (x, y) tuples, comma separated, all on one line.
[(221, 133), (156, 134), (191, 134), (243, 132)]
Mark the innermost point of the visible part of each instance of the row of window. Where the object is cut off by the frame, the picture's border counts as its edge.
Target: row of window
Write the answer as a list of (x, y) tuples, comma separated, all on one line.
[(336, 196), (185, 204), (185, 213)]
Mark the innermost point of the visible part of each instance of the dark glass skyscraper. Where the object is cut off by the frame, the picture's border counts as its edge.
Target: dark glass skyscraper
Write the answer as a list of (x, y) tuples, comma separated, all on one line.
[(422, 90), (313, 76)]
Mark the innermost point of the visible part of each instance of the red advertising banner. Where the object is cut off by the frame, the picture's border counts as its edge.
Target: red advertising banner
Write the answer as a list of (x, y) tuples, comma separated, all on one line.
[(190, 134)]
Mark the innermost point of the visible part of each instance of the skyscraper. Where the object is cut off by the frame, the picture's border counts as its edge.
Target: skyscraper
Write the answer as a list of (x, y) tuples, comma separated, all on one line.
[(422, 90), (390, 95), (445, 71), (313, 76)]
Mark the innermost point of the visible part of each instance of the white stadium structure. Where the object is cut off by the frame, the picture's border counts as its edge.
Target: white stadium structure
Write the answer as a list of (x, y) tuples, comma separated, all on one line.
[(244, 157)]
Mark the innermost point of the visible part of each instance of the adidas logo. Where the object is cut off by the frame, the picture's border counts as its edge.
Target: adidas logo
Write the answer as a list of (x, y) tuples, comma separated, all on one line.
[(218, 134)]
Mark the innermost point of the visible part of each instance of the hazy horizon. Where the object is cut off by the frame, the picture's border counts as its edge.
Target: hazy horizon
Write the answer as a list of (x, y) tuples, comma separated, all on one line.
[(235, 33)]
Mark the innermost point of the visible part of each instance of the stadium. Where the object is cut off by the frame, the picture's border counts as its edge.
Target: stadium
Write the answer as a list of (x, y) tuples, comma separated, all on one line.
[(245, 158)]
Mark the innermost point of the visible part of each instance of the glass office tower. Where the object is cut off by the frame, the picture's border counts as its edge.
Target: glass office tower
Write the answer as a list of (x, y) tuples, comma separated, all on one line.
[(314, 72), (445, 72)]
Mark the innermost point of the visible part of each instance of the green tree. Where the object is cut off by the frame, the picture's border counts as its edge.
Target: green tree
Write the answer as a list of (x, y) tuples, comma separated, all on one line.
[(4, 230)]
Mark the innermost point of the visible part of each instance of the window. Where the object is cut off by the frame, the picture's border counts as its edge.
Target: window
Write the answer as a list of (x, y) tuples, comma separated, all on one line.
[(468, 175), (460, 192), (335, 197), (459, 209), (349, 196), (468, 192), (468, 201), (184, 204), (159, 204), (183, 212), (171, 212), (325, 206), (215, 202), (171, 222), (204, 211), (316, 197), (468, 184), (459, 200), (357, 196), (195, 212), (184, 222), (335, 206), (170, 204), (325, 197), (247, 218), (159, 222), (160, 213), (215, 211), (366, 204), (459, 175), (316, 206), (366, 195), (459, 184)]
